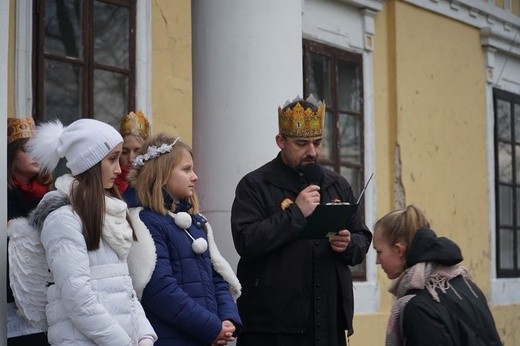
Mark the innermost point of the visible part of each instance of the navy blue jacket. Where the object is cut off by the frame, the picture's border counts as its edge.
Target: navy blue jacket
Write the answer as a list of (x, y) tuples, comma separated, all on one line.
[(186, 300)]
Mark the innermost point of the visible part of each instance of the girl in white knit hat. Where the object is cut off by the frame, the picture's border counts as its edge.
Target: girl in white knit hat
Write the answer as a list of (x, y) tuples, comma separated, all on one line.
[(86, 237)]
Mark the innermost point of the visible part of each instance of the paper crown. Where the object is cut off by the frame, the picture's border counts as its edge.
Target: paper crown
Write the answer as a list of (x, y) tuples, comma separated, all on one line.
[(135, 124), (301, 118), (18, 128)]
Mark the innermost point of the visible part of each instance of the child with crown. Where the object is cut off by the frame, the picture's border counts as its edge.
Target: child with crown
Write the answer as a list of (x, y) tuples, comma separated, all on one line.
[(25, 188), (134, 129)]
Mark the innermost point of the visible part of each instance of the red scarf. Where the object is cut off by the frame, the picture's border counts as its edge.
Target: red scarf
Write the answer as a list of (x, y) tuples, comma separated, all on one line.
[(32, 190), (121, 182)]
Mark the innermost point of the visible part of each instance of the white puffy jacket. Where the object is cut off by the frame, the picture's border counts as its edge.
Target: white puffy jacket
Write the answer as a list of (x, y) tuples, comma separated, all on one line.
[(92, 301)]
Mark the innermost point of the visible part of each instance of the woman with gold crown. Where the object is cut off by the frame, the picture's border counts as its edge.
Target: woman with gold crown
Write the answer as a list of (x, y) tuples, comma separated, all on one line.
[(25, 188), (134, 129)]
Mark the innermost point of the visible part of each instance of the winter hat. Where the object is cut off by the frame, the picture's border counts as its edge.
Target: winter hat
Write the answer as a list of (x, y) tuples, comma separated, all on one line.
[(83, 144)]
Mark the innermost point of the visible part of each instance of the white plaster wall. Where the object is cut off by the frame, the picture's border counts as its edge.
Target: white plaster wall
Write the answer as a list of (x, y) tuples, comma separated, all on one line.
[(23, 59), (4, 49), (507, 72), (334, 23), (143, 58)]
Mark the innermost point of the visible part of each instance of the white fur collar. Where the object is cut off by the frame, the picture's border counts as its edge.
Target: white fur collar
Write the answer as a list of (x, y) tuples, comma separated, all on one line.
[(222, 266), (142, 258)]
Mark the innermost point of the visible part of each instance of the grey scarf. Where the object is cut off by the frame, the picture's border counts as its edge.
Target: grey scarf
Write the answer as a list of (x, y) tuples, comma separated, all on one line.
[(424, 275)]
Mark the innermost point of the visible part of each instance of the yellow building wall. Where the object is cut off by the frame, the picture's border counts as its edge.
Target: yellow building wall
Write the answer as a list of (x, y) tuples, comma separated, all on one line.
[(429, 86), (499, 3), (441, 129), (515, 7), (171, 68)]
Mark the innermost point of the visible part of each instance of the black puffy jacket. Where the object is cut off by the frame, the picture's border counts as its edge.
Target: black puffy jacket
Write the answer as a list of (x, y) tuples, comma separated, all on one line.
[(461, 317)]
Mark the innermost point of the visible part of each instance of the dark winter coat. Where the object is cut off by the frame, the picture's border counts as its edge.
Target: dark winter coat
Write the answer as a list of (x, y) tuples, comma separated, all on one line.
[(461, 317), (17, 206), (185, 300), (289, 285)]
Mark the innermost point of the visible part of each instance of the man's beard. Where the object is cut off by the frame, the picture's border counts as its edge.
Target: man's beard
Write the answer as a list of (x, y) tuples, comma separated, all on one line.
[(305, 162)]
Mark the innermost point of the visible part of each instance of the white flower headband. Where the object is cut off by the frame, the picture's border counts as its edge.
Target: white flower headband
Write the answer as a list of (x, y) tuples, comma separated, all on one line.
[(152, 152)]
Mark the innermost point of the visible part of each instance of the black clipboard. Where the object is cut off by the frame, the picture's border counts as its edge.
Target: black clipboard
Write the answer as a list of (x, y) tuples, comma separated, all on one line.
[(328, 219)]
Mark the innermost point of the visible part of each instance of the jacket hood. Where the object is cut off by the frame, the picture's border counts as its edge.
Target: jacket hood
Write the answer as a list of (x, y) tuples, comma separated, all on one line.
[(427, 247)]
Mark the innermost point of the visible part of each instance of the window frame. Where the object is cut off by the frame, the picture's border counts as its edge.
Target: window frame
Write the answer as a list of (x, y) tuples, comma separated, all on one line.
[(39, 57), (334, 55), (512, 99)]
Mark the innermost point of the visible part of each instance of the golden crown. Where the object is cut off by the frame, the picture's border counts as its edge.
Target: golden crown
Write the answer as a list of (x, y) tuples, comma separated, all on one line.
[(301, 118), (18, 128), (135, 124)]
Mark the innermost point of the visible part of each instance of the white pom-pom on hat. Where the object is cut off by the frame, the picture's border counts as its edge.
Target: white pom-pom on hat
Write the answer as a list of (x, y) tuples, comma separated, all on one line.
[(43, 146)]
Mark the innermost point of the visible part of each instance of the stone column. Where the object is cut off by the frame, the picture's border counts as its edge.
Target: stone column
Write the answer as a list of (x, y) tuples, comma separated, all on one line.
[(247, 61)]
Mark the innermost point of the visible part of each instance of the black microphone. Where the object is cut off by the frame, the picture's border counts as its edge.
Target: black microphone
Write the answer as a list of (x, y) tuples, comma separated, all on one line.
[(312, 173)]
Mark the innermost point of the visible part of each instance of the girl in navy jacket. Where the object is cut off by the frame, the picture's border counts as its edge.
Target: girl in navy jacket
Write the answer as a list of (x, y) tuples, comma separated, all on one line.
[(189, 298)]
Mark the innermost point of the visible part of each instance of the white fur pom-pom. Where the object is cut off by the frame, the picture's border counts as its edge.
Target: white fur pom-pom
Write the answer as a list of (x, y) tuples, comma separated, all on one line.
[(183, 220), (199, 245), (43, 146)]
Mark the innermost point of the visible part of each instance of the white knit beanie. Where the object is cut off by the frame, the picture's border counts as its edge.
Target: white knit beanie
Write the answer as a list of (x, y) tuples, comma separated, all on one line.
[(83, 143)]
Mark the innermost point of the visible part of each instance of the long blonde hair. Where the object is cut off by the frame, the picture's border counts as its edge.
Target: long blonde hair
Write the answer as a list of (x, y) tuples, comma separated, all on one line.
[(401, 225), (149, 179)]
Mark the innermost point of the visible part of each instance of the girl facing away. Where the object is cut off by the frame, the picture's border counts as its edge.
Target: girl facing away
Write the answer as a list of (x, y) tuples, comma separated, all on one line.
[(437, 303), (188, 298), (86, 237)]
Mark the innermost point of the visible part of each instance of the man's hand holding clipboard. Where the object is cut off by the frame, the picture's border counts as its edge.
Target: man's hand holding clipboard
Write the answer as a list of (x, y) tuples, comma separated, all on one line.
[(328, 219)]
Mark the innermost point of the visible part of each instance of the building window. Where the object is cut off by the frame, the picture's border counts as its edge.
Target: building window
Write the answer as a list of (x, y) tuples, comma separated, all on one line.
[(84, 59), (507, 182), (336, 76)]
